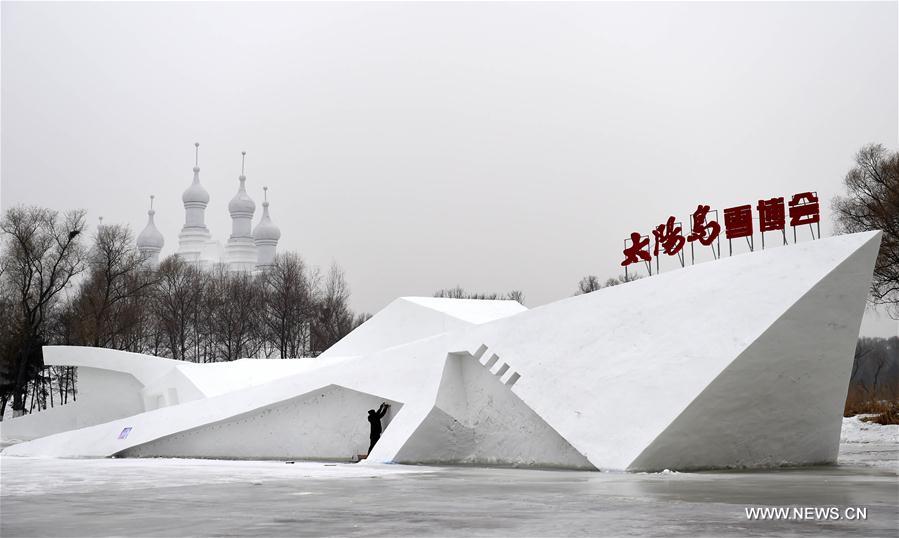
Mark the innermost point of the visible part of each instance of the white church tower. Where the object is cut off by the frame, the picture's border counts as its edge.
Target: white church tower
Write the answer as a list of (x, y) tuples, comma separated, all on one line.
[(266, 236), (240, 251), (194, 239), (150, 241)]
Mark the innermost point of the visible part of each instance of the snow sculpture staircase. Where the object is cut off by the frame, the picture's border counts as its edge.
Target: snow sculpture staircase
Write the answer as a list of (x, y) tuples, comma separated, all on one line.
[(508, 376)]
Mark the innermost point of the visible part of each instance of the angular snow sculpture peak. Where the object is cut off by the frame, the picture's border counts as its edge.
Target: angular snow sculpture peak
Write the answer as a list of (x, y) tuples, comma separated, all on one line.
[(742, 362), (410, 318)]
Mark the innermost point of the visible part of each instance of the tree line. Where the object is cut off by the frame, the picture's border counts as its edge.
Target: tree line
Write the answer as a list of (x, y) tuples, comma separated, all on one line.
[(874, 382), (58, 287)]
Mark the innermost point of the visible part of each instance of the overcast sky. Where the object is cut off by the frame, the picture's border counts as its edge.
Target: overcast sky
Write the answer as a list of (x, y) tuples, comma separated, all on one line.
[(494, 146)]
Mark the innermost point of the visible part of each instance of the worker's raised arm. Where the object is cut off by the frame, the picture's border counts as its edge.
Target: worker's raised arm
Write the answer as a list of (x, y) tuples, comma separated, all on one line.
[(383, 410)]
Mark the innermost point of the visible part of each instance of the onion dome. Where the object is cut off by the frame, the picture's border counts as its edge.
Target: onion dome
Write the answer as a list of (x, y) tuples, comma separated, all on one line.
[(266, 229), (150, 238), (242, 204), (196, 194)]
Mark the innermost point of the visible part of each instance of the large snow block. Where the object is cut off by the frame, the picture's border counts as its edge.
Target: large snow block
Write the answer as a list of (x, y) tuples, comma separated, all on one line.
[(477, 420), (325, 424), (780, 401)]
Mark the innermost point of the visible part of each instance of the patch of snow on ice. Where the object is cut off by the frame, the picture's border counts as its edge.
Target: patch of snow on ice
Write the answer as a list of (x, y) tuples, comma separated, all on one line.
[(869, 444), (856, 430)]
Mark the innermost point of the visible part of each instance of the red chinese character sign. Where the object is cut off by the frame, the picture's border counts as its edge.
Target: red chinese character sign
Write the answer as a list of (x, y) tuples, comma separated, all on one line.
[(637, 251), (669, 239), (771, 214), (702, 229), (772, 217), (804, 209), (737, 224)]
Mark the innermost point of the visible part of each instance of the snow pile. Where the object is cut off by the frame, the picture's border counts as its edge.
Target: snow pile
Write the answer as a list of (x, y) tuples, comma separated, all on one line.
[(856, 430), (869, 444)]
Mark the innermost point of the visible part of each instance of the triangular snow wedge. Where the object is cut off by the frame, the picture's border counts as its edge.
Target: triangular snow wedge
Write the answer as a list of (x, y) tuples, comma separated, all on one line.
[(780, 401), (412, 318), (478, 420), (324, 424)]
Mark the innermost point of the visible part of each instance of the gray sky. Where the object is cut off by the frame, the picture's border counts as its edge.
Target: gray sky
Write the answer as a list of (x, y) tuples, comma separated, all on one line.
[(493, 146)]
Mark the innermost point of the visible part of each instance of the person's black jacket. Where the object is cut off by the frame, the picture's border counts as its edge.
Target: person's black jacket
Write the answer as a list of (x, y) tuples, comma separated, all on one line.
[(375, 420)]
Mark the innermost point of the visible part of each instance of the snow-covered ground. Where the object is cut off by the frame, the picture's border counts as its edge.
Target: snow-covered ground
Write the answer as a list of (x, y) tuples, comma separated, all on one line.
[(180, 497), (867, 443)]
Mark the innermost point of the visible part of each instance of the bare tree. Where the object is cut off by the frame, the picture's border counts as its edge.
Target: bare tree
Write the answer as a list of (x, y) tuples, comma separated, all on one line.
[(43, 253), (61, 331), (875, 375), (588, 284), (621, 279), (234, 313), (516, 295), (115, 275), (460, 293), (8, 344), (289, 304), (333, 318), (361, 318), (176, 306), (138, 330), (872, 203), (452, 293)]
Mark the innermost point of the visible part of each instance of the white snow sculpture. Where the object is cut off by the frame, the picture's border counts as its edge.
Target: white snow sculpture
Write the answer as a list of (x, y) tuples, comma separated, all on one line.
[(742, 362)]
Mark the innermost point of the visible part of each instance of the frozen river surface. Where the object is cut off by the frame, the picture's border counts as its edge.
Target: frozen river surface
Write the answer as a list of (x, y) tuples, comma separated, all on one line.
[(165, 497)]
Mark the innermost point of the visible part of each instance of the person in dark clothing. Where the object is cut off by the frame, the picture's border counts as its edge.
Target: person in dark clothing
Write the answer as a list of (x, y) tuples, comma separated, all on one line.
[(374, 418)]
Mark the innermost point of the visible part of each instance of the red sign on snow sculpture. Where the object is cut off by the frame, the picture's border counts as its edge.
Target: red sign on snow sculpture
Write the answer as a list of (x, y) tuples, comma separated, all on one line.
[(703, 231), (803, 208), (738, 221), (771, 214), (669, 236), (639, 250)]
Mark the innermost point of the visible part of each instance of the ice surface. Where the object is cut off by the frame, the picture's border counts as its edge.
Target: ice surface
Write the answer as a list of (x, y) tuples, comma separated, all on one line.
[(44, 476), (138, 497)]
